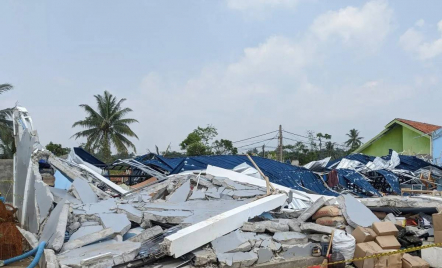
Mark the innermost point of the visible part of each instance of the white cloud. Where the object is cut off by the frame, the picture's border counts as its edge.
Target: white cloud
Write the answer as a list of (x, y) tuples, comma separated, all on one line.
[(369, 24), (272, 81), (414, 42)]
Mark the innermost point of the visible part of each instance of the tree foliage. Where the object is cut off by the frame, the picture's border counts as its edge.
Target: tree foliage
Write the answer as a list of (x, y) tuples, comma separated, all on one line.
[(354, 141), (198, 143), (57, 149), (106, 127)]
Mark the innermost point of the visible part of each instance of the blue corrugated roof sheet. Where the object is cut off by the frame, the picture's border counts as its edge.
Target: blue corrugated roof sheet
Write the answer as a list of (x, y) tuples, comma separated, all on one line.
[(287, 175)]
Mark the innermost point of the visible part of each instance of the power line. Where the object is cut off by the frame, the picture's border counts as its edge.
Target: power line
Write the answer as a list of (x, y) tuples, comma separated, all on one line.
[(255, 143), (310, 144), (255, 136), (316, 139)]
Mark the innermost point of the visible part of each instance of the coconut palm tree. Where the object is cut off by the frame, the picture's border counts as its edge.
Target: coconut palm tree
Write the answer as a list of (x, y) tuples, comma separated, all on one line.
[(7, 144), (106, 127), (354, 140)]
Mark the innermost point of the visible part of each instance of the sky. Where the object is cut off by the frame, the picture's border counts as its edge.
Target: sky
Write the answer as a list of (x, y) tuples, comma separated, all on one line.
[(243, 66)]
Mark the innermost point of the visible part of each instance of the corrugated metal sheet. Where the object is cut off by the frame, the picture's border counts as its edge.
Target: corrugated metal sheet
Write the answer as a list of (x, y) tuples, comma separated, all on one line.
[(359, 180), (391, 179), (294, 177)]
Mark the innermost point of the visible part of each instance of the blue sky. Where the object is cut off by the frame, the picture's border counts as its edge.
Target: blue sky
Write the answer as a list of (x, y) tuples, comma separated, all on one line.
[(244, 66)]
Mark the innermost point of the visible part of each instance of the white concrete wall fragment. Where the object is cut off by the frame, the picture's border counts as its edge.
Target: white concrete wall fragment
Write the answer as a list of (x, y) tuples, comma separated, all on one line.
[(180, 194), (44, 199), (355, 213), (48, 260), (306, 214), (87, 239), (201, 233), (30, 237), (132, 213), (117, 222), (83, 191), (86, 256), (55, 228)]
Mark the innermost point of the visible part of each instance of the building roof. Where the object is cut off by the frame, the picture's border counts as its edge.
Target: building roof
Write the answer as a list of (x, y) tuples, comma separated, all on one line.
[(422, 127)]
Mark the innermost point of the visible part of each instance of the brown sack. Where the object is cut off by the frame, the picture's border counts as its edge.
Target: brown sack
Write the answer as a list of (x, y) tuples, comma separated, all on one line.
[(327, 211), (331, 221)]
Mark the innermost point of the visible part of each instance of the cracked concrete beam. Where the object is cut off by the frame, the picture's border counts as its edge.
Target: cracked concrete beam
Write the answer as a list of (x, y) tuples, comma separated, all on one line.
[(199, 234)]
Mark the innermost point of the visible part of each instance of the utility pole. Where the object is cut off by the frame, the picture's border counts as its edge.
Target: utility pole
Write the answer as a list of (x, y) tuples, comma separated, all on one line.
[(280, 143), (263, 151)]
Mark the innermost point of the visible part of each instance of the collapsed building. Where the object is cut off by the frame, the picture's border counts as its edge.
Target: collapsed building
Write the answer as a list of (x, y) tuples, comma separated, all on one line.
[(214, 211)]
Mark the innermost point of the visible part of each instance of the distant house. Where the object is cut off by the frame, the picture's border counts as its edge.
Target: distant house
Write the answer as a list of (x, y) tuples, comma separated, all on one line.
[(403, 136)]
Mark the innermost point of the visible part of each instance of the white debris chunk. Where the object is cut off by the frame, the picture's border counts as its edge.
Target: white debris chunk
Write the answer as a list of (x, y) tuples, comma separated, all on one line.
[(87, 239), (119, 252), (132, 213), (117, 222)]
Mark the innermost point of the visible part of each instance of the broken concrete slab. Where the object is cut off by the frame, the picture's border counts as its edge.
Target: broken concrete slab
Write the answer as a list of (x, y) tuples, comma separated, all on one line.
[(304, 250), (312, 209), (55, 227), (203, 257), (49, 260), (146, 234), (262, 226), (104, 206), (186, 240), (180, 194), (355, 213), (238, 259), (197, 194), (167, 216), (290, 238), (132, 213), (117, 222), (270, 244), (116, 252), (231, 242), (246, 193), (44, 199), (89, 223), (87, 239), (310, 227), (83, 191), (83, 231), (215, 195), (30, 237), (60, 194), (264, 255), (293, 224), (133, 232)]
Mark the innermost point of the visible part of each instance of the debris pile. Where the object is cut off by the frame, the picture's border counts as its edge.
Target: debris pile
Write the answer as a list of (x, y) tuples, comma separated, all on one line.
[(214, 217)]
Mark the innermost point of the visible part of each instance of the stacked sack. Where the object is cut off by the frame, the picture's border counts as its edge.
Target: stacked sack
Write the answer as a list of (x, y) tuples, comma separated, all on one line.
[(329, 216)]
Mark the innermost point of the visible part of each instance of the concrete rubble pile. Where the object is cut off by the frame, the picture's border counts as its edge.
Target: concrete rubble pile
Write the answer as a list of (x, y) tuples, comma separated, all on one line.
[(209, 218)]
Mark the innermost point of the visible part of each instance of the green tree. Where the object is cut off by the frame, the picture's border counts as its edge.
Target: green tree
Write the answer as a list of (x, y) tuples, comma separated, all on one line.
[(354, 141), (106, 127), (198, 143), (57, 149), (321, 136), (7, 142), (222, 147)]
